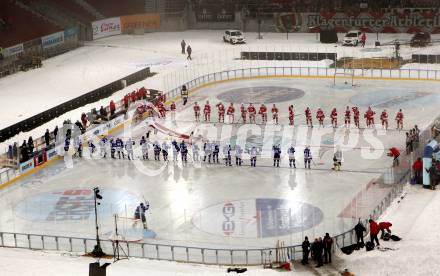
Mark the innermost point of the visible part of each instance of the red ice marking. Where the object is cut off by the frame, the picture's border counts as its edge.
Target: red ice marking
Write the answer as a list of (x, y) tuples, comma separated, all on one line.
[(168, 131), (77, 192)]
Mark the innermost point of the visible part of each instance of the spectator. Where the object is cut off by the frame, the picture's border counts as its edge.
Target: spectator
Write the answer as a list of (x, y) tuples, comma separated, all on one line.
[(15, 151), (305, 248), (374, 231), (84, 120), (31, 146), (327, 244), (189, 51), (55, 133), (103, 113), (359, 229), (112, 108), (318, 254), (384, 226), (432, 175), (126, 101), (47, 138), (24, 152), (395, 153), (10, 153), (409, 143), (418, 169), (183, 45)]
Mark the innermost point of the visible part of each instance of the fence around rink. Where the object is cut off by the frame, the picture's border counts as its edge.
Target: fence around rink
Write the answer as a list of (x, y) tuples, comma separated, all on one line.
[(392, 182)]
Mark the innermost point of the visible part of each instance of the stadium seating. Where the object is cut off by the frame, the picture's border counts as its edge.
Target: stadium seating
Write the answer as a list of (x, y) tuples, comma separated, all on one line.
[(111, 8), (72, 8), (23, 25)]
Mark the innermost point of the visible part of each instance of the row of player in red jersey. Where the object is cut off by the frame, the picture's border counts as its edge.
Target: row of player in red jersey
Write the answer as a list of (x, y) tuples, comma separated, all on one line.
[(249, 114)]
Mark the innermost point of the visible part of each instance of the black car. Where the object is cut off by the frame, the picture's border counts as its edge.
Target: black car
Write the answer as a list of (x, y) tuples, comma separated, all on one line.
[(421, 39)]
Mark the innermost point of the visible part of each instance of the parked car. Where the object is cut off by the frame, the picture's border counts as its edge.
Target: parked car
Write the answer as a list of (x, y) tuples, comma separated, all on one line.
[(421, 39), (234, 37), (352, 38)]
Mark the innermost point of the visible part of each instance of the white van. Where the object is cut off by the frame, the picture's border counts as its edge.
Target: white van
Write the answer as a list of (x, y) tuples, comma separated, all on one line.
[(234, 37), (352, 38)]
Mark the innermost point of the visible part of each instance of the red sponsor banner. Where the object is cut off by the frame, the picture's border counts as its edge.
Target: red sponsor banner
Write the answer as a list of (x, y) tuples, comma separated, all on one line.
[(147, 21)]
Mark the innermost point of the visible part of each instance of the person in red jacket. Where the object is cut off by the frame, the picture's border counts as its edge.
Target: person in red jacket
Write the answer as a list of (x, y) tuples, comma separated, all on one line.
[(112, 108), (418, 169), (395, 153), (384, 226), (126, 100), (374, 231)]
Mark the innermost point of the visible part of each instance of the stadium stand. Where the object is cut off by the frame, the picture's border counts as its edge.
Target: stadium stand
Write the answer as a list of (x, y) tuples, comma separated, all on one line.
[(22, 25), (111, 8)]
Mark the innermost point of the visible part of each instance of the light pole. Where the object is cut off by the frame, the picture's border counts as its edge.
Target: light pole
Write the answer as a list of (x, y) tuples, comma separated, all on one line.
[(97, 251)]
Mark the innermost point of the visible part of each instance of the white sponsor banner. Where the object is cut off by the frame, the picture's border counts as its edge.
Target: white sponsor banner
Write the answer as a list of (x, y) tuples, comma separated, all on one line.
[(52, 40), (51, 154), (14, 50), (106, 27), (26, 166)]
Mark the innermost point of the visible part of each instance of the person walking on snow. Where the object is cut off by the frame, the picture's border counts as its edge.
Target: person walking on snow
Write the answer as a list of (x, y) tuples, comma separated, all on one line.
[(189, 51), (183, 46)]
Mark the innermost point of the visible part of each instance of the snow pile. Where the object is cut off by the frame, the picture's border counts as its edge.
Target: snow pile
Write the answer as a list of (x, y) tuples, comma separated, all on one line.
[(415, 220)]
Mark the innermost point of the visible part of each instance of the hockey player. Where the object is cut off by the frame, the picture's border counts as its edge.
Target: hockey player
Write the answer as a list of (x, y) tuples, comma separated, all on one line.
[(207, 112), (356, 116), (227, 155), (334, 117), (173, 111), (196, 112), (165, 148), (176, 150), (231, 112), (384, 119), (79, 146), (308, 114), (221, 112), (369, 116), (103, 147), (161, 108), (252, 112), (207, 148), (263, 113), (307, 157), (215, 152), (243, 111), (276, 155), (139, 214), (337, 160), (291, 115), (184, 152), (195, 152), (320, 116), (113, 147), (129, 147), (275, 114), (145, 147), (238, 154), (157, 150), (92, 147), (399, 119), (347, 117), (253, 154), (120, 148), (291, 152)]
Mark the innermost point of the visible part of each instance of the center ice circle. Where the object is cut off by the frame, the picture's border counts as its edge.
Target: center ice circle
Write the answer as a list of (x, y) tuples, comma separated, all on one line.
[(261, 94), (74, 205), (257, 218)]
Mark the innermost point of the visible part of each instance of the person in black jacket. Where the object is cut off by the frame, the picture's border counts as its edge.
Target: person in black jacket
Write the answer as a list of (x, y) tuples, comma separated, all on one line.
[(327, 244), (359, 229), (305, 248), (47, 138), (318, 252), (31, 146)]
